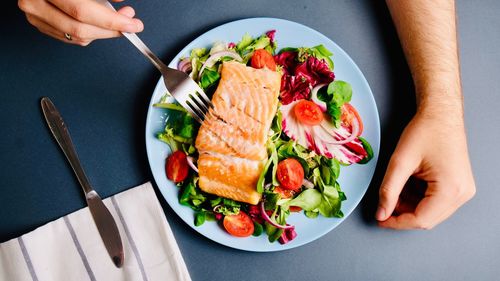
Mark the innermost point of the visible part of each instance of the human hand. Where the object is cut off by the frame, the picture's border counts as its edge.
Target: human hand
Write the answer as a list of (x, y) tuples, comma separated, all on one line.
[(79, 21), (432, 149)]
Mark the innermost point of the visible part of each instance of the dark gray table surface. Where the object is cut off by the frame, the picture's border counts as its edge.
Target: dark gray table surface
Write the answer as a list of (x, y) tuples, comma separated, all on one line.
[(103, 92)]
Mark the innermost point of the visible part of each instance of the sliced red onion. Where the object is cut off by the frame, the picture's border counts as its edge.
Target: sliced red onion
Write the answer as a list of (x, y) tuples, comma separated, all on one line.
[(331, 138), (315, 99), (216, 56), (270, 221), (267, 186), (184, 65), (191, 164), (307, 184)]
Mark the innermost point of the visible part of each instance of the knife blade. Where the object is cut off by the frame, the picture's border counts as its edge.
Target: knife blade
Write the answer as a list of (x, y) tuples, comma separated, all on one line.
[(103, 219)]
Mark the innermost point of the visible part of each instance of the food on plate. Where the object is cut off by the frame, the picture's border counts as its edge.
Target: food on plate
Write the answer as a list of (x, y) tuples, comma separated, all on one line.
[(325, 139), (290, 174), (239, 225), (307, 112), (263, 59), (281, 128), (231, 142), (176, 166)]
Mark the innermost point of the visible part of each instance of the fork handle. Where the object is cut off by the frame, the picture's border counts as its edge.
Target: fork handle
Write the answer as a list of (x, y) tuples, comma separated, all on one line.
[(137, 42)]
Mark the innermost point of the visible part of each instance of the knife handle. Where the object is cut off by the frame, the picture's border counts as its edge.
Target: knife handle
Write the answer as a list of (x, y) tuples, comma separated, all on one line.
[(61, 134)]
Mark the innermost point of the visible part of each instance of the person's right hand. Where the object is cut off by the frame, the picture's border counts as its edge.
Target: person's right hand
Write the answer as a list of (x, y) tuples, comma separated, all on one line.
[(79, 21), (432, 150)]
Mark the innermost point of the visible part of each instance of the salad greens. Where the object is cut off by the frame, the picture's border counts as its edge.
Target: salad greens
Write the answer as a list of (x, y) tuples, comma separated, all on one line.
[(368, 149), (326, 196), (320, 193), (248, 44), (337, 93), (180, 131), (320, 52)]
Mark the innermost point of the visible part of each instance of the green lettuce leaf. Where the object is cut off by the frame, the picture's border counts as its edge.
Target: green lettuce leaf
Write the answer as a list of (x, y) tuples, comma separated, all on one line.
[(192, 196), (308, 200), (262, 177), (245, 42), (322, 53), (200, 218), (209, 78), (369, 150), (337, 93), (330, 202), (257, 229), (311, 214)]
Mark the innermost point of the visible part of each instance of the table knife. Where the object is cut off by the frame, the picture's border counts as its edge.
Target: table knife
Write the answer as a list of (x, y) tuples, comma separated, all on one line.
[(103, 219)]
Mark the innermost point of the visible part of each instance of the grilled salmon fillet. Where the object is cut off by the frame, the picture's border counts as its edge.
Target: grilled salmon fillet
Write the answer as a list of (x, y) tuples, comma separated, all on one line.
[(232, 139)]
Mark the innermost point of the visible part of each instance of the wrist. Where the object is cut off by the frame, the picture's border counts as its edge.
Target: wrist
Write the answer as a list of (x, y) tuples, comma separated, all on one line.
[(440, 97), (443, 104)]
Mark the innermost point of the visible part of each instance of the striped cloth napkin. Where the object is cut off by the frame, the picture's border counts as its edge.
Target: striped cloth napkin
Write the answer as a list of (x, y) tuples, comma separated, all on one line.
[(70, 248)]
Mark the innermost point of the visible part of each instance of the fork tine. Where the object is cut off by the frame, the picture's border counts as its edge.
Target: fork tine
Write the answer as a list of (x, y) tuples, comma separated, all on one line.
[(199, 102), (204, 96), (190, 110), (196, 109)]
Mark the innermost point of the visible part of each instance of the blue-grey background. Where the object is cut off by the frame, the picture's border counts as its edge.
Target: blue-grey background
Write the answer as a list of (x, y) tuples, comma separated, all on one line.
[(103, 92)]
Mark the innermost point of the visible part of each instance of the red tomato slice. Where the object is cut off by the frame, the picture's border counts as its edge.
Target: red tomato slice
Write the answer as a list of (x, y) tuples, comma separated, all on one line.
[(349, 113), (239, 225), (177, 166), (262, 58), (308, 112), (295, 209), (290, 174)]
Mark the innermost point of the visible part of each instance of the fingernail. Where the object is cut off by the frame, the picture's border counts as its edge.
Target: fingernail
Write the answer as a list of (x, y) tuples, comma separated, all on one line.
[(380, 214)]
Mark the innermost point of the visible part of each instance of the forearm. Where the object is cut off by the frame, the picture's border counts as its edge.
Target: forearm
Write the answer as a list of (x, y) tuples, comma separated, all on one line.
[(427, 31), (433, 146)]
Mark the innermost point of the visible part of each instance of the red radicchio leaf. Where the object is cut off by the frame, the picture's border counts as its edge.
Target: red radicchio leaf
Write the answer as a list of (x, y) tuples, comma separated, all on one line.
[(287, 61), (294, 88), (316, 71), (270, 34), (254, 213), (298, 78)]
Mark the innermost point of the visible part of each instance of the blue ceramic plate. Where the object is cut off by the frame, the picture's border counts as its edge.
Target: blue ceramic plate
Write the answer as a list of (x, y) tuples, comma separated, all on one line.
[(354, 179)]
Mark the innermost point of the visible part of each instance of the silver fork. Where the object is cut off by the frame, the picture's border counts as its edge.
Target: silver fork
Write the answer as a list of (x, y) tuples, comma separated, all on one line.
[(184, 90)]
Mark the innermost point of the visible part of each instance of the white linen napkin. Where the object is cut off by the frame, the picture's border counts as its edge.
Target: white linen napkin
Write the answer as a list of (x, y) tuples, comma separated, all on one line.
[(70, 248)]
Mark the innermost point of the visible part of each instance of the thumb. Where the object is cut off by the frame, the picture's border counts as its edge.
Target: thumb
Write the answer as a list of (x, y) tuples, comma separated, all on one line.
[(399, 170)]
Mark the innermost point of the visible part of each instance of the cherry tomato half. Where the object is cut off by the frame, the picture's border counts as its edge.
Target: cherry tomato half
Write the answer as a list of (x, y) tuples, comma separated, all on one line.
[(308, 112), (348, 114), (240, 225), (262, 58), (177, 166), (290, 174)]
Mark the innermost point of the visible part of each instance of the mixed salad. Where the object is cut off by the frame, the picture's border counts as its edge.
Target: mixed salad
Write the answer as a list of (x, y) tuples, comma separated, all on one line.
[(315, 132)]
